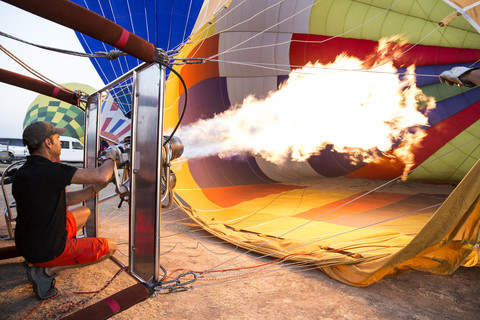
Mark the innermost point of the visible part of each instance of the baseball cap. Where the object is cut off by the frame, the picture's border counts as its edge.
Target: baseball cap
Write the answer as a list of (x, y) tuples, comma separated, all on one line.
[(36, 132)]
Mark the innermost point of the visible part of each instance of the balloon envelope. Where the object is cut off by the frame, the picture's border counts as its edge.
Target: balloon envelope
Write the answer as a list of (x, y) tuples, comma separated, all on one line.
[(315, 211)]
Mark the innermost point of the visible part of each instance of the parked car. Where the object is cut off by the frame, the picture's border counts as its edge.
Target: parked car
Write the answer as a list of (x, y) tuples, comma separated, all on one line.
[(4, 156), (12, 149), (72, 149)]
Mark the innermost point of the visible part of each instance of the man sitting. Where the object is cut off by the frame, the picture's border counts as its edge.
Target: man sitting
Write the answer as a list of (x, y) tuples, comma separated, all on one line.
[(45, 232)]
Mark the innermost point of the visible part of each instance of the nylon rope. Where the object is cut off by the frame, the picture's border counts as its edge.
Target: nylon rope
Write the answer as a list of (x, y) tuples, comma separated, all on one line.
[(319, 238), (292, 16), (85, 43), (114, 20), (305, 41), (265, 66), (187, 20), (306, 263), (200, 244), (290, 230), (109, 55), (330, 38), (230, 12), (343, 205), (146, 23), (281, 263), (123, 63), (33, 71), (205, 31), (334, 249), (337, 248), (319, 262), (262, 32)]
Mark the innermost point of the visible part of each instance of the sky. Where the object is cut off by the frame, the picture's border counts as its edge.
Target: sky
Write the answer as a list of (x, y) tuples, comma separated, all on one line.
[(61, 68)]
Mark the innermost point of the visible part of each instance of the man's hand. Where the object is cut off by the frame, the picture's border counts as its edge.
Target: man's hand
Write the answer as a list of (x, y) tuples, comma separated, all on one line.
[(112, 152), (452, 77)]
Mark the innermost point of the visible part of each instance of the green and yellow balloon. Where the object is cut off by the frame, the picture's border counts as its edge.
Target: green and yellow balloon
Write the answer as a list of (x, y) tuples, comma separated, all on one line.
[(59, 113)]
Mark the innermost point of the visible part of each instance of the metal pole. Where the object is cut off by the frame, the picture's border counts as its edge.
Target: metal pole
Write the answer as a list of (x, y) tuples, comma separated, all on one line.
[(159, 171), (133, 162)]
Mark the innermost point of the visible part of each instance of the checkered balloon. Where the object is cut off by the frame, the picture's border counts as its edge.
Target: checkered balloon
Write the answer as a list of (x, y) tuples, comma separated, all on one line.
[(60, 114)]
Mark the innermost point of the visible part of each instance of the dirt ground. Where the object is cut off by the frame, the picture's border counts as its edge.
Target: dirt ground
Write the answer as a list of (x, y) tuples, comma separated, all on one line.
[(279, 292)]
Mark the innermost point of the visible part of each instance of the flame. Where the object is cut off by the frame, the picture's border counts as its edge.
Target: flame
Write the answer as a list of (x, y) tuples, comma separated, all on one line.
[(360, 111), (405, 154)]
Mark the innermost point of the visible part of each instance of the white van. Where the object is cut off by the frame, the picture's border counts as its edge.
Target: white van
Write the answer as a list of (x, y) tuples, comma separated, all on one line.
[(72, 149), (12, 149)]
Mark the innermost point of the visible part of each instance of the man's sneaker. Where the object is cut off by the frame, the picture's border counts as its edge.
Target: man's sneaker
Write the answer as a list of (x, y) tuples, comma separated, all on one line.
[(43, 285), (453, 75)]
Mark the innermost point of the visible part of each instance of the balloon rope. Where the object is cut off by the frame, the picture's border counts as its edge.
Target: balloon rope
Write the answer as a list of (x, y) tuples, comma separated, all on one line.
[(363, 227), (268, 66), (33, 71), (262, 32), (345, 245), (252, 17), (314, 241), (263, 65), (343, 205), (206, 30), (229, 50), (200, 244), (187, 19), (306, 264), (223, 276), (333, 37), (112, 55), (108, 219), (276, 266), (226, 276), (290, 230), (301, 265), (410, 48)]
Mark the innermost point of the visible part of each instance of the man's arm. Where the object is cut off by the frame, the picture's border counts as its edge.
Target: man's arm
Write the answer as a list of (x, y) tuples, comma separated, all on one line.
[(75, 197), (472, 76), (100, 175)]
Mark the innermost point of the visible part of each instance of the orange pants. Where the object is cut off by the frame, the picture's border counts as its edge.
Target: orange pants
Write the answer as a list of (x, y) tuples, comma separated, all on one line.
[(77, 251)]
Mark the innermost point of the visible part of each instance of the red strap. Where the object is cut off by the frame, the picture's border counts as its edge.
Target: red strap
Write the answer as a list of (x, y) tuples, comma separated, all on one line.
[(123, 39), (55, 92), (112, 304)]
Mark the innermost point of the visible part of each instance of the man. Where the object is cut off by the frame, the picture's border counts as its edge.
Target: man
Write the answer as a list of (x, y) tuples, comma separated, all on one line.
[(45, 231)]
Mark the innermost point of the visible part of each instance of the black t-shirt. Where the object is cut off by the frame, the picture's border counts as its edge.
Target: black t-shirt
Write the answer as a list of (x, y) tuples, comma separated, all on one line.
[(39, 191)]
